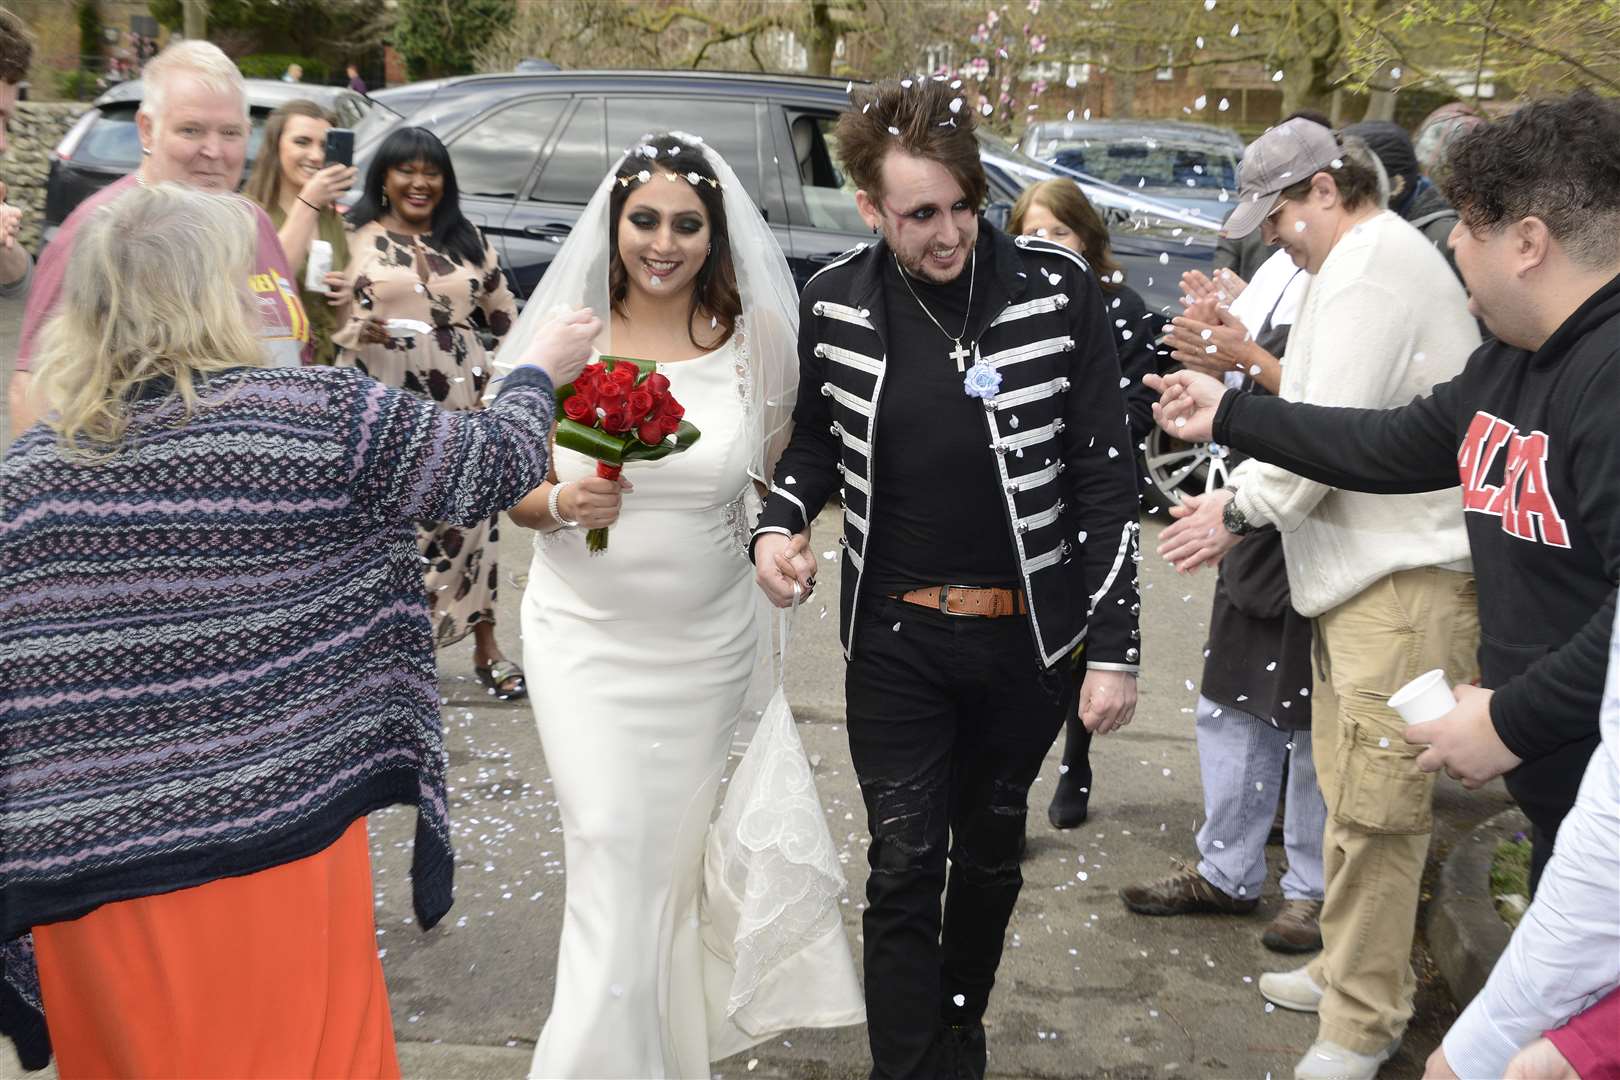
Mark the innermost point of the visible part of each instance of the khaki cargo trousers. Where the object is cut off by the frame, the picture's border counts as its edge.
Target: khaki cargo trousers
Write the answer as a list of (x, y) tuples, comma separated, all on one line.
[(1379, 803)]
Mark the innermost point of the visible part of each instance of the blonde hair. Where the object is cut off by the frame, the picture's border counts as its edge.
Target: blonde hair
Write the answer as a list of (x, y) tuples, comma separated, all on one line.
[(201, 60), (156, 288)]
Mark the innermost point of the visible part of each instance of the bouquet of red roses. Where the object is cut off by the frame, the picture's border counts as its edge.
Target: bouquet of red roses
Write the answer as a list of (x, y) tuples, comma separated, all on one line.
[(618, 411)]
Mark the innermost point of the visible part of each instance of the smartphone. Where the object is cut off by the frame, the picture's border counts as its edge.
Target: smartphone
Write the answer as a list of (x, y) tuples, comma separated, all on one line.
[(340, 146)]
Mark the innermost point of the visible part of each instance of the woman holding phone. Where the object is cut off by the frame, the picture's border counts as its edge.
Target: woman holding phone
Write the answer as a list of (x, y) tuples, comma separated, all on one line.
[(294, 184), (422, 288)]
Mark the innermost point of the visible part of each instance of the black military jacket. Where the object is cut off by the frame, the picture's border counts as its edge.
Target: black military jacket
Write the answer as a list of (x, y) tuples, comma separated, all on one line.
[(1056, 427)]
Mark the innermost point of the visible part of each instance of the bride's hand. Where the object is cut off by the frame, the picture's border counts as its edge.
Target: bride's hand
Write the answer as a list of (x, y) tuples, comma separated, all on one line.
[(593, 502)]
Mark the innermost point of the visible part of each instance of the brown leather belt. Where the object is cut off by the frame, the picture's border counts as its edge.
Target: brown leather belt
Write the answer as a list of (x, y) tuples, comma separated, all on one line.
[(969, 600)]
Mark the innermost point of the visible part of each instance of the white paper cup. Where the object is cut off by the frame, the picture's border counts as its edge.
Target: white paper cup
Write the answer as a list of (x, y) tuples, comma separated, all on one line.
[(1427, 697), (317, 264)]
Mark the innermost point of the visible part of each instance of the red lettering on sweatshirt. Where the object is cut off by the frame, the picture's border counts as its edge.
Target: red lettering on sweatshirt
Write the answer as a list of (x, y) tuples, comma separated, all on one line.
[(1522, 500)]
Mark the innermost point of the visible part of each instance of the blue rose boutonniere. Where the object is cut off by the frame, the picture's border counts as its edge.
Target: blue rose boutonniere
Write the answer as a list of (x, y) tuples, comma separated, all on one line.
[(981, 381)]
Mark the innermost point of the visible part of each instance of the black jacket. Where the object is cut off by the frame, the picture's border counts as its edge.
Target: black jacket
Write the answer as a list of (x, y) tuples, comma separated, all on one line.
[(1136, 338), (1056, 429), (1429, 213), (1534, 440)]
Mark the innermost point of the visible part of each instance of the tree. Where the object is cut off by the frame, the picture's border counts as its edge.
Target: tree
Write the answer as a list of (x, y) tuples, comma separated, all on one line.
[(90, 40), (691, 34), (333, 29), (195, 19), (1529, 47), (438, 37)]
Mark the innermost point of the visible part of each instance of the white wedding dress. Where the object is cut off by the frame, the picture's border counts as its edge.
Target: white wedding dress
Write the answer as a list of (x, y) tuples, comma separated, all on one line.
[(641, 658)]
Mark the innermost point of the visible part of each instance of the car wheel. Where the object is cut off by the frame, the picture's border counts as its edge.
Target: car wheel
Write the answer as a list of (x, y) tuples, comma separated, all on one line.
[(1178, 468)]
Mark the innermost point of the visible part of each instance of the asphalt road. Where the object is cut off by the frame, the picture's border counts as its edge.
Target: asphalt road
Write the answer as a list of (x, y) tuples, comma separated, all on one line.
[(1086, 989)]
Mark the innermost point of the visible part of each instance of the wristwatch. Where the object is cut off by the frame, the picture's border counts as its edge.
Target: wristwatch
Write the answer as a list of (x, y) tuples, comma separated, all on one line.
[(1233, 518)]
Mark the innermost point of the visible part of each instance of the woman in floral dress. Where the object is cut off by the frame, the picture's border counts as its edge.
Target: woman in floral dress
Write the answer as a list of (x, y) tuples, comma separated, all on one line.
[(424, 288)]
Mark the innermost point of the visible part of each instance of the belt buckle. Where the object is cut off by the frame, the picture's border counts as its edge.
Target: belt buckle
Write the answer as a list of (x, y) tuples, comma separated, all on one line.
[(944, 605)]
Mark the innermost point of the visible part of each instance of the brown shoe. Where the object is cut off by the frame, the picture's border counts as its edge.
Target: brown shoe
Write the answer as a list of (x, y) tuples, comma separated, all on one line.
[(1185, 892), (1296, 929)]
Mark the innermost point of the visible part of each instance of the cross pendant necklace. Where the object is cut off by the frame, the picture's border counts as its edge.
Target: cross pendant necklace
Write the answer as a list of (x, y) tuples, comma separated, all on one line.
[(959, 353)]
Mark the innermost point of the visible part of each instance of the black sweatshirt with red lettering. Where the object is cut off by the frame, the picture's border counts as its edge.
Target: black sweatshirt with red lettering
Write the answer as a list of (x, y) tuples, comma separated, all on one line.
[(1534, 440)]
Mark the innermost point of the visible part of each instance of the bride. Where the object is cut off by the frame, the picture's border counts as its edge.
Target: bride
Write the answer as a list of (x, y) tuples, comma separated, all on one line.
[(650, 648)]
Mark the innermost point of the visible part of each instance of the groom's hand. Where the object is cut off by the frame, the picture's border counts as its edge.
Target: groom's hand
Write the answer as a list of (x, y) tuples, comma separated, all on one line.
[(1107, 700), (780, 563)]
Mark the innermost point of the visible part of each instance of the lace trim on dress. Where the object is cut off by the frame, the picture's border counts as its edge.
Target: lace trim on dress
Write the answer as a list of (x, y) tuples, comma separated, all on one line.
[(745, 370), (735, 516)]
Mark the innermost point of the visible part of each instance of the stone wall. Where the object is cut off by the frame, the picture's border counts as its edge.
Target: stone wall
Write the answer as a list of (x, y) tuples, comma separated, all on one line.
[(35, 130)]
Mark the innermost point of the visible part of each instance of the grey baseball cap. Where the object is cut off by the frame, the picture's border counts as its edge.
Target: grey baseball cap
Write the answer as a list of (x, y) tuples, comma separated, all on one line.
[(1286, 154)]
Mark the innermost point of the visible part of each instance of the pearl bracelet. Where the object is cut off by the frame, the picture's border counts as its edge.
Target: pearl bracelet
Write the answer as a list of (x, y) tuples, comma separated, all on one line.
[(552, 506)]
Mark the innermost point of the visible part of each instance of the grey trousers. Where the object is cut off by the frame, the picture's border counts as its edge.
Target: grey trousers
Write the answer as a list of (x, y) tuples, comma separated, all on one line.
[(1240, 757)]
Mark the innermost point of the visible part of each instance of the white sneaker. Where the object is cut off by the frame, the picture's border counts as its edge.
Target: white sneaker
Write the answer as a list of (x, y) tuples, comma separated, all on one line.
[(1330, 1061), (1291, 990)]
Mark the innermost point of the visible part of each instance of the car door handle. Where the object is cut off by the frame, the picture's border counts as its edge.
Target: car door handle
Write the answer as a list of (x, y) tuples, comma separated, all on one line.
[(551, 231), (824, 257)]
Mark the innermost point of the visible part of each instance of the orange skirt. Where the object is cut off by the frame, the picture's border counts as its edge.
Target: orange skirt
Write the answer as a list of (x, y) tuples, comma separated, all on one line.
[(273, 974)]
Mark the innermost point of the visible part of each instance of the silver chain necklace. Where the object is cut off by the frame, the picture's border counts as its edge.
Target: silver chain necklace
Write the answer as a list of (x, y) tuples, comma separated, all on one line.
[(959, 353)]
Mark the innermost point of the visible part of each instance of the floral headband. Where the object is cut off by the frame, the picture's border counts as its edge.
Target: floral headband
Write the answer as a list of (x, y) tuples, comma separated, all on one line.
[(650, 151)]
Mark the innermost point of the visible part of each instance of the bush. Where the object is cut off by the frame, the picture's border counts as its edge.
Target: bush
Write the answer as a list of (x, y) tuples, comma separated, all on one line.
[(1510, 878), (274, 66), (77, 85)]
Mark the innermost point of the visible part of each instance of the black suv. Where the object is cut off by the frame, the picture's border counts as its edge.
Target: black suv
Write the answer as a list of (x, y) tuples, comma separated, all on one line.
[(529, 150)]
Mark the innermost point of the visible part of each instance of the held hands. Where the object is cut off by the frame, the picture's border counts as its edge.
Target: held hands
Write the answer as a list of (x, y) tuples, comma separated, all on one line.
[(562, 345), (782, 562), (1199, 536), (593, 502), (1187, 404), (1107, 700), (327, 184), (1464, 742)]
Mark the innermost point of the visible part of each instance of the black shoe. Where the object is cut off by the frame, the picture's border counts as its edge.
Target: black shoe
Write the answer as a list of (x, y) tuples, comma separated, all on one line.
[(965, 1051), (1071, 800)]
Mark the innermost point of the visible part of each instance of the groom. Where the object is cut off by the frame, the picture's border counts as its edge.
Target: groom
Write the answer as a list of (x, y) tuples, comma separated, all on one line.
[(959, 390)]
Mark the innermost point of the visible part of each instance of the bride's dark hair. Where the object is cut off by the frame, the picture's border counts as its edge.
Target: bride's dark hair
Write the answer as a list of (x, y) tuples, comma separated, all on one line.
[(715, 289)]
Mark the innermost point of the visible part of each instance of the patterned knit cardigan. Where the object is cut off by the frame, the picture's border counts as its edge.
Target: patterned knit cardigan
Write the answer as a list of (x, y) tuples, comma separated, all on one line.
[(214, 647)]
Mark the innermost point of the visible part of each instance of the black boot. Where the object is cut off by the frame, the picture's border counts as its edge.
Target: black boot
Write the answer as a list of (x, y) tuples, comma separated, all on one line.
[(1070, 801)]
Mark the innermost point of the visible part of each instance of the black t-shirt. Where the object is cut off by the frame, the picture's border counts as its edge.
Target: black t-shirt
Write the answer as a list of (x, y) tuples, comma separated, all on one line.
[(940, 515)]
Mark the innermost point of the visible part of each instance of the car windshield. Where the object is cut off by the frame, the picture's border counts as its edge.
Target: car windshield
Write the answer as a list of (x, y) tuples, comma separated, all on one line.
[(1149, 163)]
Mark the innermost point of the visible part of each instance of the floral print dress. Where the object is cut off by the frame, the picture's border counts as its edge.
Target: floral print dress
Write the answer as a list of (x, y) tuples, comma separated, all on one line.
[(434, 308)]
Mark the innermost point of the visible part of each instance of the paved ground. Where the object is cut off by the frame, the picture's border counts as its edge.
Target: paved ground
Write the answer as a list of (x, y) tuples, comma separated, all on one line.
[(1086, 989)]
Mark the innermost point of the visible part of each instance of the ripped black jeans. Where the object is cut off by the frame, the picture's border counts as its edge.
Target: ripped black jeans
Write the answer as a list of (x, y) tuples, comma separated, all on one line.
[(949, 719)]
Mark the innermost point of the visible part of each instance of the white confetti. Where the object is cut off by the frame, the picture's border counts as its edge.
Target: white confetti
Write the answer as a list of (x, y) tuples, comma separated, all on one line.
[(960, 1000)]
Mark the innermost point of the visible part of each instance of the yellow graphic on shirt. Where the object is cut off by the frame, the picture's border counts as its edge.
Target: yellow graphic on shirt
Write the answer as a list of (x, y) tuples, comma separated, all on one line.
[(295, 327)]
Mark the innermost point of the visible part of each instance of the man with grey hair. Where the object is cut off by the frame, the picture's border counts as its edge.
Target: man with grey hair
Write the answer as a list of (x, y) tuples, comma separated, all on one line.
[(16, 53), (193, 127), (1386, 578)]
